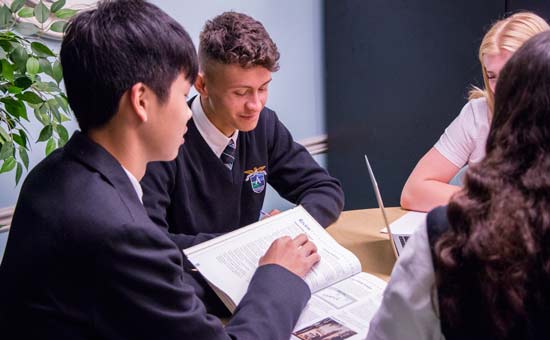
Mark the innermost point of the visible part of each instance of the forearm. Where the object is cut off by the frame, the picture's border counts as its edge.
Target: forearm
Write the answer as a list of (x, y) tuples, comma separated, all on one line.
[(325, 203), (185, 241), (426, 194), (274, 301)]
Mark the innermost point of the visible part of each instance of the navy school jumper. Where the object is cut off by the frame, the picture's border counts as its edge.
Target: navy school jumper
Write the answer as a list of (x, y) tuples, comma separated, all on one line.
[(195, 197)]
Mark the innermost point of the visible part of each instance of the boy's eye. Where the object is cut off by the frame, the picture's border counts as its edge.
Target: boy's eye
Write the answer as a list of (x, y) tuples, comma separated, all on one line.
[(240, 93)]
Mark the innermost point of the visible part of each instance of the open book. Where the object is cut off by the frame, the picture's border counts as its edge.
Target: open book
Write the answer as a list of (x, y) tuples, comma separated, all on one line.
[(343, 298)]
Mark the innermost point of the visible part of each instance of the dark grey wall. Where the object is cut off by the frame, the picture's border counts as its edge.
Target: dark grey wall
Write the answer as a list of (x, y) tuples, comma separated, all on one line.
[(541, 7), (397, 73)]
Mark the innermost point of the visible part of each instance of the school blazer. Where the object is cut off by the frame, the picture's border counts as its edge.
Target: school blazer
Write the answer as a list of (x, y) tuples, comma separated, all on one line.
[(83, 261)]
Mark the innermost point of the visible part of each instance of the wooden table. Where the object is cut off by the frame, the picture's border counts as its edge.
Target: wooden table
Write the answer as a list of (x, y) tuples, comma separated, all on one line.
[(359, 231)]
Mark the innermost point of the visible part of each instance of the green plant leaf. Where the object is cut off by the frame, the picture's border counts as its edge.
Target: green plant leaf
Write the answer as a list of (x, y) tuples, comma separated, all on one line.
[(65, 13), (26, 12), (42, 114), (19, 57), (14, 107), (5, 16), (47, 87), (56, 6), (63, 133), (45, 134), (7, 150), (20, 139), (7, 70), (57, 71), (8, 165), (17, 139), (18, 173), (6, 45), (10, 36), (17, 5), (26, 28), (4, 135), (33, 66), (63, 104), (45, 66), (58, 26), (41, 12), (42, 118), (64, 118), (23, 82), (24, 157), (54, 109), (14, 89), (23, 135), (41, 50), (30, 97), (50, 146)]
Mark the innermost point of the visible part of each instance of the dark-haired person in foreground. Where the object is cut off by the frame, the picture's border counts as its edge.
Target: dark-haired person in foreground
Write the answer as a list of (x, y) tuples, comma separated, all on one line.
[(83, 259), (235, 145), (480, 269)]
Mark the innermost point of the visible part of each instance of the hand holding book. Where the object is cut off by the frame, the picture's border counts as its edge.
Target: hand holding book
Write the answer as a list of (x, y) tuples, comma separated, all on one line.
[(297, 255)]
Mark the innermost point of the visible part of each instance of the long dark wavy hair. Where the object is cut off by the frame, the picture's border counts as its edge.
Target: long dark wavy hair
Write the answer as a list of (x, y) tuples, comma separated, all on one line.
[(493, 265)]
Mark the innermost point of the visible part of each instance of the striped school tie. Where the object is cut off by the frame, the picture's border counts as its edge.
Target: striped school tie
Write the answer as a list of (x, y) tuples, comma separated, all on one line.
[(228, 155)]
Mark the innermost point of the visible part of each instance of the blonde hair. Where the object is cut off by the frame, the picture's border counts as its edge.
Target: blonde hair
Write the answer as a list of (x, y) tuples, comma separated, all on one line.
[(506, 34)]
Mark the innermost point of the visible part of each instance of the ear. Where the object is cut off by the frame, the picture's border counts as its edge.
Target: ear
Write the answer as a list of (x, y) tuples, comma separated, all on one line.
[(200, 85), (140, 100)]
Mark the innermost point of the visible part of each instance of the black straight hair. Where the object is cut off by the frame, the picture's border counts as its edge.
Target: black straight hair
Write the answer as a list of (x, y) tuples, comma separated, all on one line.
[(109, 49)]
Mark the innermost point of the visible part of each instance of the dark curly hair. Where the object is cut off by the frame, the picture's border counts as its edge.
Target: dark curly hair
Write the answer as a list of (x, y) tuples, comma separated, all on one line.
[(236, 38), (493, 266)]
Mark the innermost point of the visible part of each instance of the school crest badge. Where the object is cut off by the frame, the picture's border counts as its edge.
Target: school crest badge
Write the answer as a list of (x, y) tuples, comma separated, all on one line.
[(256, 177)]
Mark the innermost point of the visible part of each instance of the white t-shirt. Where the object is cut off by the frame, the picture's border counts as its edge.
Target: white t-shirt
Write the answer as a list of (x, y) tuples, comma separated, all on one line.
[(464, 139), (409, 307)]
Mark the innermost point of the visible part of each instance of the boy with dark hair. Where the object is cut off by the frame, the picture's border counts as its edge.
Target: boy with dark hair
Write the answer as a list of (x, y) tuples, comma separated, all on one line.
[(83, 259), (235, 145)]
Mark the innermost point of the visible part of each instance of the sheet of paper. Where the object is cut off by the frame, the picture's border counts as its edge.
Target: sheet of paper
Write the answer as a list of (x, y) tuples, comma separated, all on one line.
[(407, 224)]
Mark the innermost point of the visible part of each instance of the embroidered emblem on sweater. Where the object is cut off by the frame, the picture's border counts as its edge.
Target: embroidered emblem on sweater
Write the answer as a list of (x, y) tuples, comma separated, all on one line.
[(256, 177)]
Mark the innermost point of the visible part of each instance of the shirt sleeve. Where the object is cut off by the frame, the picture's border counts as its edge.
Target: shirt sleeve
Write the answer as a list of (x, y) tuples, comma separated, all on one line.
[(409, 306), (142, 293), (297, 177), (158, 186), (456, 143)]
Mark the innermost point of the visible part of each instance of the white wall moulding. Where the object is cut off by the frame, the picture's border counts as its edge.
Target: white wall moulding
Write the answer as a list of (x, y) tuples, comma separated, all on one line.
[(6, 215), (315, 145)]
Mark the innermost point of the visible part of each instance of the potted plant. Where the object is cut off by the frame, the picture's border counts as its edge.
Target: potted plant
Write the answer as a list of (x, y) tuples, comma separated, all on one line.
[(30, 80)]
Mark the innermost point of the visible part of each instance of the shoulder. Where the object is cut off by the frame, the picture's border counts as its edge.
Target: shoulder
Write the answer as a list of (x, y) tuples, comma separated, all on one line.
[(437, 223), (437, 216), (270, 124), (476, 113), (69, 195), (269, 129), (268, 118)]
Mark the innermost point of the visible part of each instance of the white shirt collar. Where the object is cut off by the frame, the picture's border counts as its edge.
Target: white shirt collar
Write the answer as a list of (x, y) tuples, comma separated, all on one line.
[(135, 184), (215, 139)]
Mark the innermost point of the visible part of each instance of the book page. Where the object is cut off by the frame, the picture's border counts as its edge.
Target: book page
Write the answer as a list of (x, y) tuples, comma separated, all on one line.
[(229, 261), (341, 311)]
